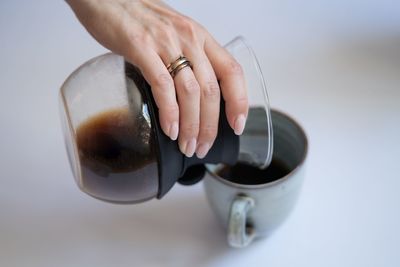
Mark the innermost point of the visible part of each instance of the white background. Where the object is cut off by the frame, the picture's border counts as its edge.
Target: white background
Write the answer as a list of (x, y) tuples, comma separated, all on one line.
[(333, 65)]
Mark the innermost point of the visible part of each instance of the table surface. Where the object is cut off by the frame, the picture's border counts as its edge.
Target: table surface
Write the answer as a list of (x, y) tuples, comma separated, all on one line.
[(333, 66)]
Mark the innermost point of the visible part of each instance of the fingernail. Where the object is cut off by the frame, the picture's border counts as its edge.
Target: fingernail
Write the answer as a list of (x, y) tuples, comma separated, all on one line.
[(239, 124), (202, 150), (182, 147), (173, 131), (190, 148)]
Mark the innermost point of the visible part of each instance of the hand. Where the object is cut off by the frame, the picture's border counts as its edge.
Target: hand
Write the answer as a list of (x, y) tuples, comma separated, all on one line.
[(150, 35)]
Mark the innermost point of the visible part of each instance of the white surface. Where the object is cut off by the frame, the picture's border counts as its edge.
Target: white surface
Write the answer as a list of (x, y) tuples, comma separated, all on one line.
[(335, 67)]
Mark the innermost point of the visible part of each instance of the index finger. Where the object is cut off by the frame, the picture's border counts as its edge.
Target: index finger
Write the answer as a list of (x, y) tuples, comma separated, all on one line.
[(163, 89), (232, 83)]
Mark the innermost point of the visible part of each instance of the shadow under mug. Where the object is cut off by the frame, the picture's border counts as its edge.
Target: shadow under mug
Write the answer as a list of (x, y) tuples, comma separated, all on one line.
[(249, 211)]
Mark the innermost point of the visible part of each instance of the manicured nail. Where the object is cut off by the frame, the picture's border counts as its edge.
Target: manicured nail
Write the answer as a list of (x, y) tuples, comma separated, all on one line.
[(239, 124), (173, 131), (190, 148), (202, 150), (182, 147)]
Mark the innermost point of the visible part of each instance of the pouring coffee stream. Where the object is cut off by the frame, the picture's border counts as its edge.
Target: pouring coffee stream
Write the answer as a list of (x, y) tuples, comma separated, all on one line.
[(116, 148)]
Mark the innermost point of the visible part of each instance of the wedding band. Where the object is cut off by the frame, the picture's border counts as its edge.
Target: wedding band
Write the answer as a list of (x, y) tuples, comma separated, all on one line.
[(177, 65)]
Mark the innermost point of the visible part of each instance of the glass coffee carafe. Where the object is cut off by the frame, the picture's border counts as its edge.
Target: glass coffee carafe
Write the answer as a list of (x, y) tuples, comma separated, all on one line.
[(116, 148)]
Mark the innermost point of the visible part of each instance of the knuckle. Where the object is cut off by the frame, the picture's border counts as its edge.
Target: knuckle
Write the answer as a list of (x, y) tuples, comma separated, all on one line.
[(211, 91), (137, 38), (170, 109), (188, 28), (191, 129), (238, 103), (167, 33), (163, 80), (232, 67), (209, 132), (191, 86), (242, 101)]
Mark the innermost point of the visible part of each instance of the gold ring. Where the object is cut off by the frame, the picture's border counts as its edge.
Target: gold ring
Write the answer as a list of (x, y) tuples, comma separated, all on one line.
[(177, 65)]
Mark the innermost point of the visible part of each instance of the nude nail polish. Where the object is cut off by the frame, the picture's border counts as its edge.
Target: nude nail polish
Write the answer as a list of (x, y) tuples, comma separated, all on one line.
[(202, 150), (173, 131), (240, 122), (190, 148)]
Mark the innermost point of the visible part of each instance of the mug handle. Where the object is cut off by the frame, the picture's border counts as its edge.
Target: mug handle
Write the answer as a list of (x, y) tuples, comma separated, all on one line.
[(240, 233)]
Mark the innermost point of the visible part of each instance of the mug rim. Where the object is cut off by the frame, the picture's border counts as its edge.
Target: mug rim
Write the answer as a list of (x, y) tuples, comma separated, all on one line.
[(277, 181)]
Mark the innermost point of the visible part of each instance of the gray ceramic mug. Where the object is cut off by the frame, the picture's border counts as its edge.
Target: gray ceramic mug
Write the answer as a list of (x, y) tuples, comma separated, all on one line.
[(249, 211)]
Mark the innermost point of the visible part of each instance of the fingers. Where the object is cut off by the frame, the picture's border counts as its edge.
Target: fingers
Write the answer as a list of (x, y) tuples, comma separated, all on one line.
[(209, 101), (188, 91), (163, 89), (232, 82), (189, 103), (188, 95), (151, 35)]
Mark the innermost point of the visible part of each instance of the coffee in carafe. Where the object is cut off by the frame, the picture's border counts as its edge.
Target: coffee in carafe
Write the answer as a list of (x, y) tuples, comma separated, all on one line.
[(116, 148)]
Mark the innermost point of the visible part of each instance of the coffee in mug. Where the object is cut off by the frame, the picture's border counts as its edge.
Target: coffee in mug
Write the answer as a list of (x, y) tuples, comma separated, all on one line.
[(252, 202)]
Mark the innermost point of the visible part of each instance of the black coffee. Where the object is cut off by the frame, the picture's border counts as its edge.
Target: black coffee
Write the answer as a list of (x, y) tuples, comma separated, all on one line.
[(245, 174), (116, 151)]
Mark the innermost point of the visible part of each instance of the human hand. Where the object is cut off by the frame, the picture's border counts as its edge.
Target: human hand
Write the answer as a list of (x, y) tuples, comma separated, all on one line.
[(150, 35)]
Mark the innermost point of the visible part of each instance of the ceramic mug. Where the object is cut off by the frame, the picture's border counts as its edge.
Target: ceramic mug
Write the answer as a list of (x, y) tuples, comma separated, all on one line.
[(250, 210)]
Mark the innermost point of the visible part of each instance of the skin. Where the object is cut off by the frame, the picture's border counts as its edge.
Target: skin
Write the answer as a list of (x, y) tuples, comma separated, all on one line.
[(150, 35)]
